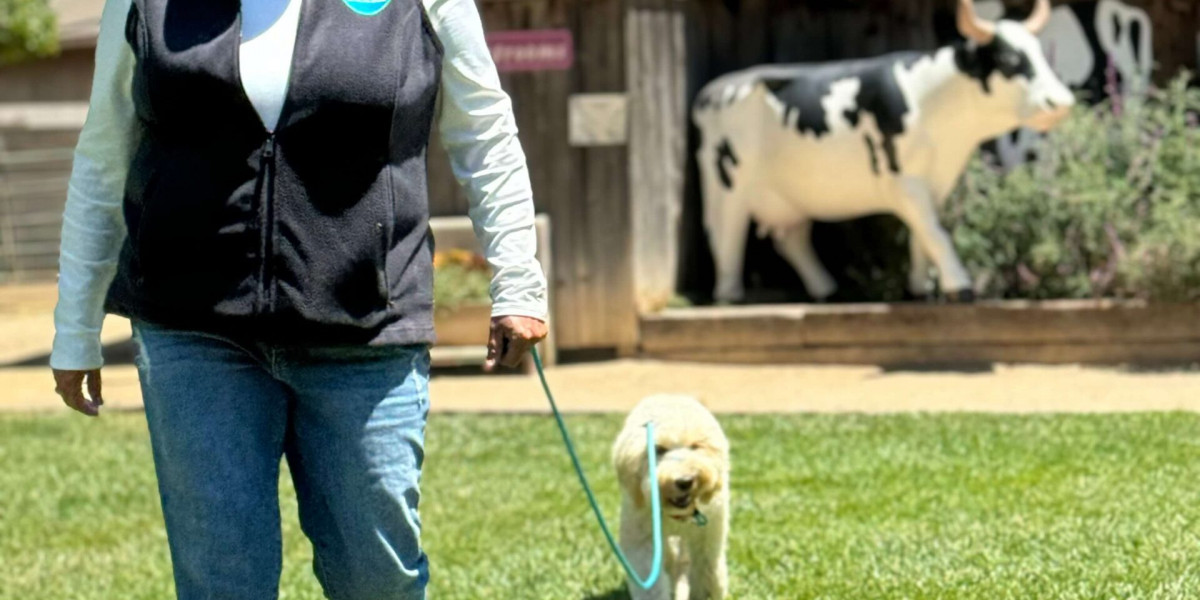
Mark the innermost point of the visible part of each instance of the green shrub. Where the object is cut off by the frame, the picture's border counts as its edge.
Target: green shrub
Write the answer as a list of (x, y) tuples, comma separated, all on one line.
[(1112, 208), (460, 279), (27, 30)]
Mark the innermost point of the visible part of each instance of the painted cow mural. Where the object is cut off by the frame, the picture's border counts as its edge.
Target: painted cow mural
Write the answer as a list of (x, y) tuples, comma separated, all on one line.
[(789, 145), (1091, 45)]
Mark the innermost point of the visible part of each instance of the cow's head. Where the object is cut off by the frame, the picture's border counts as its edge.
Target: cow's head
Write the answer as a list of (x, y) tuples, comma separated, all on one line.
[(1007, 59)]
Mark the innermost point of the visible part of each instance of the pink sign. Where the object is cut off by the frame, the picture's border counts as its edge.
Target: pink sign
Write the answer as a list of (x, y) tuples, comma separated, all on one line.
[(532, 50)]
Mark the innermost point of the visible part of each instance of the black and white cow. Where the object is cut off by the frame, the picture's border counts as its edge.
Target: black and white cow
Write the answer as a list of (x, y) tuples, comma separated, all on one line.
[(789, 145)]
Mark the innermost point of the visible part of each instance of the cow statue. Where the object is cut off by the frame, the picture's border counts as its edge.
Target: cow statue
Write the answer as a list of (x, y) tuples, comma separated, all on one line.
[(789, 145)]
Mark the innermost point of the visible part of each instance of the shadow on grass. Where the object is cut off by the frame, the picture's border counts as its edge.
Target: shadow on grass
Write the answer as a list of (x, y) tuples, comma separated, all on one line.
[(617, 593)]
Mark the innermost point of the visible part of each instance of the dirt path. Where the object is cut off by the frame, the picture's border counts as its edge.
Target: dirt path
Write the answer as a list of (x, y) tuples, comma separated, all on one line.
[(616, 386), (26, 330)]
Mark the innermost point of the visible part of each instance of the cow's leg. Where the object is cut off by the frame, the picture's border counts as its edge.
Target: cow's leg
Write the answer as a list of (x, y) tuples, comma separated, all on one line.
[(727, 220), (728, 237), (795, 245), (918, 212), (918, 272)]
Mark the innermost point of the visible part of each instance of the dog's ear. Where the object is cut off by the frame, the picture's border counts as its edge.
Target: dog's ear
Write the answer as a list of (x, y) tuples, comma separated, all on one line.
[(713, 449), (709, 492), (716, 471)]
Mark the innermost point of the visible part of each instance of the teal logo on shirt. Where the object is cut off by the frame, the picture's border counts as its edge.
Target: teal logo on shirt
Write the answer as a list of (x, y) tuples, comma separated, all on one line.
[(367, 8)]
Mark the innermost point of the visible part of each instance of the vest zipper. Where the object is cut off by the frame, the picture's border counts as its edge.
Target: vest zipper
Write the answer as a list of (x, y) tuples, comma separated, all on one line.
[(266, 295)]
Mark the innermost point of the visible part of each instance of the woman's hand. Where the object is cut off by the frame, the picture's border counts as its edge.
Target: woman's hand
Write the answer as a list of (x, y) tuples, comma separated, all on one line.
[(511, 339), (69, 385)]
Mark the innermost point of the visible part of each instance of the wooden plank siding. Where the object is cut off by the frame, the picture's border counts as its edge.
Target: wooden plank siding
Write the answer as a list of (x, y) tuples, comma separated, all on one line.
[(64, 78), (656, 53), (34, 167), (1176, 25)]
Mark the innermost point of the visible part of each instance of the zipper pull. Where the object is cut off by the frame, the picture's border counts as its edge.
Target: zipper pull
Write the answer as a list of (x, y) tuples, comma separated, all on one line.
[(269, 148)]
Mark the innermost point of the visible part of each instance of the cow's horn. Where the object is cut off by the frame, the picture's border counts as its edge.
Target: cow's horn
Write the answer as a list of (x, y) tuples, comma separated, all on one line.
[(1040, 17), (971, 26)]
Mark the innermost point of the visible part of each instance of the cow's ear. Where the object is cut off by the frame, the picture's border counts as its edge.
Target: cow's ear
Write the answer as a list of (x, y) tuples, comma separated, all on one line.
[(972, 27), (1040, 17)]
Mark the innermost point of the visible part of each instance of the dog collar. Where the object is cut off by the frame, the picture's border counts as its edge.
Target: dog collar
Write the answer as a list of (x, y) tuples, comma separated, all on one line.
[(698, 518)]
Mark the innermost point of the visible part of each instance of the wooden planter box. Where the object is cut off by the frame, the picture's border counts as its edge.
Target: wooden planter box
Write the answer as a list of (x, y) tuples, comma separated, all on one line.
[(463, 331), (928, 335), (466, 325)]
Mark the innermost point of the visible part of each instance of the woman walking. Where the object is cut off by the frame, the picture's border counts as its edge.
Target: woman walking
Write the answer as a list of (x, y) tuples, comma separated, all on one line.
[(250, 190)]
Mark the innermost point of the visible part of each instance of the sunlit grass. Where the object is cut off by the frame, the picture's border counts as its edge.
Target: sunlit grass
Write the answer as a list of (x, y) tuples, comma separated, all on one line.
[(839, 507)]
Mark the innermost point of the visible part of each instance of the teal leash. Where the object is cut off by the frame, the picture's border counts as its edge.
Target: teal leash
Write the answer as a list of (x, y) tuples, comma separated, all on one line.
[(656, 507)]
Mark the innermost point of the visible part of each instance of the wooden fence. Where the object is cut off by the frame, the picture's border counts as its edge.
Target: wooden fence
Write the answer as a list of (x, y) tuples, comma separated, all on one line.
[(34, 167)]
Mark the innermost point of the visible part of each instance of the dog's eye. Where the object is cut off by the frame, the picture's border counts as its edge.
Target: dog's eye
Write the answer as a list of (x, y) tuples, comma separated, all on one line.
[(660, 450)]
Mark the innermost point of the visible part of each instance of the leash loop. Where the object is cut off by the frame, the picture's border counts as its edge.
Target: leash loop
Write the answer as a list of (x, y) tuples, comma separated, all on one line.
[(656, 506)]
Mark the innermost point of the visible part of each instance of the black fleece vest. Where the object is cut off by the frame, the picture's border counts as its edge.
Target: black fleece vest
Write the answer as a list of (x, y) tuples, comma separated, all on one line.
[(316, 235)]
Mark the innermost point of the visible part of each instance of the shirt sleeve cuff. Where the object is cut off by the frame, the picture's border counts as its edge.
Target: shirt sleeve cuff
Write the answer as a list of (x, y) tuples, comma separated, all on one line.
[(76, 351), (539, 312)]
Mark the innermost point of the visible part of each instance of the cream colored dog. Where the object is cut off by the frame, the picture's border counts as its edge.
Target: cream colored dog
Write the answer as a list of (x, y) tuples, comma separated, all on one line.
[(693, 476)]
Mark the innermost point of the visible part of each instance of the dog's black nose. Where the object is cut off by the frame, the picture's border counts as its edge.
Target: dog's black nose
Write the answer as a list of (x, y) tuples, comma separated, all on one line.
[(684, 483)]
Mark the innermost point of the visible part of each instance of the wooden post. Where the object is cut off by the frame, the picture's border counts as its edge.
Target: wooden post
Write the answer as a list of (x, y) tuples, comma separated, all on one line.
[(656, 67)]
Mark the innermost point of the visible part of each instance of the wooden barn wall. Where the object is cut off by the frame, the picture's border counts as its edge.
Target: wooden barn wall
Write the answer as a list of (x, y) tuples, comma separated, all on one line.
[(584, 191), (1176, 27), (34, 167), (64, 78), (656, 49), (726, 35)]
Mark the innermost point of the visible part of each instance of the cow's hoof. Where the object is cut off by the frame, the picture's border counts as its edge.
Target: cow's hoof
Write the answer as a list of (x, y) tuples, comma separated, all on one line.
[(922, 298), (961, 296)]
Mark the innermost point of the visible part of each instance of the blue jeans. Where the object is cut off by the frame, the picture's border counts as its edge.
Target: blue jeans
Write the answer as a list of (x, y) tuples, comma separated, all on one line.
[(351, 422)]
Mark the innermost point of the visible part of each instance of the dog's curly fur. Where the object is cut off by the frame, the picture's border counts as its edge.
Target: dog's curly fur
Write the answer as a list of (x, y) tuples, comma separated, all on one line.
[(693, 474)]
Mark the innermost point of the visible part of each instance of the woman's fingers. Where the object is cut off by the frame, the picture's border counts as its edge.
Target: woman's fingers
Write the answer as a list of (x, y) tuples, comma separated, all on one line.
[(495, 343), (511, 339), (94, 387), (69, 386), (515, 352)]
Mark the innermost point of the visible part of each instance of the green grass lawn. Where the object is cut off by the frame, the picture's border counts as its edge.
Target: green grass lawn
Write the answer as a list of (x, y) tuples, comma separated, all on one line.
[(837, 507)]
